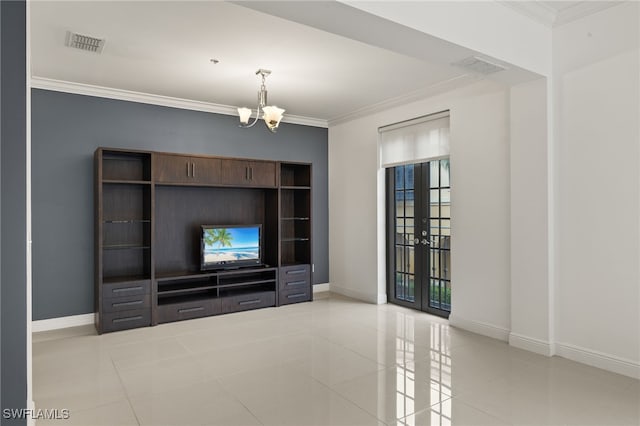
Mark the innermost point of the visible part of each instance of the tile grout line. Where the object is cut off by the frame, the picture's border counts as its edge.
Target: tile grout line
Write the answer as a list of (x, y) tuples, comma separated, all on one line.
[(124, 388)]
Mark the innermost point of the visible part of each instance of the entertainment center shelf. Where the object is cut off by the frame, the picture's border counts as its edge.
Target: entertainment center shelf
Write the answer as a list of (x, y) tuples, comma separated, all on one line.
[(150, 211)]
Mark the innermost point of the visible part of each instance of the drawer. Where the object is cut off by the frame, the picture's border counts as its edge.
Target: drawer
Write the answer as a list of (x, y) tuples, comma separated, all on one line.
[(126, 319), (188, 310), (294, 295), (249, 301), (129, 288), (297, 276), (126, 303)]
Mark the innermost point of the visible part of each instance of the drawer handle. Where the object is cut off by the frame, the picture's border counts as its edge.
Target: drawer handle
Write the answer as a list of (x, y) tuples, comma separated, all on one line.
[(117, 320), (294, 283), (249, 302), (187, 310), (296, 271), (135, 302), (122, 290), (295, 296)]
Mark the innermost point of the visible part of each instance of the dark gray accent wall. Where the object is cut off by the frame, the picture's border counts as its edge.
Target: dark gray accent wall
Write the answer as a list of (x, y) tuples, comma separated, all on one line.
[(66, 130), (13, 223)]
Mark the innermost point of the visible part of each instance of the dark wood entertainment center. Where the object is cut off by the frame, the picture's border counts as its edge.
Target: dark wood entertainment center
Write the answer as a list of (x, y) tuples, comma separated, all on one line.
[(149, 208)]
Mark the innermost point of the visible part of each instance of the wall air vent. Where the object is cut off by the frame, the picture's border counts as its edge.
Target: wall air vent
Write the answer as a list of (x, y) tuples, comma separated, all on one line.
[(479, 65), (84, 42)]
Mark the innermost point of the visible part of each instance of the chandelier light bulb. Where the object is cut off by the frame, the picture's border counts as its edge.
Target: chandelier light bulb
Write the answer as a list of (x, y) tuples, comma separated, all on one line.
[(272, 116), (245, 115)]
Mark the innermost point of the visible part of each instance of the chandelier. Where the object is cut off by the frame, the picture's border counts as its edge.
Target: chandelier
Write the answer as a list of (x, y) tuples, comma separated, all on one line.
[(270, 114)]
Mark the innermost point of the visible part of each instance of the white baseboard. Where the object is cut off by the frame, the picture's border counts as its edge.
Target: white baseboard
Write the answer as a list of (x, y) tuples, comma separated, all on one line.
[(597, 359), (530, 344), (62, 322), (319, 288), (478, 327), (360, 295)]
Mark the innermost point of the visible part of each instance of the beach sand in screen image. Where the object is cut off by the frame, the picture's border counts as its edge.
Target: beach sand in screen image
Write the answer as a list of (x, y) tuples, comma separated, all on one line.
[(219, 257)]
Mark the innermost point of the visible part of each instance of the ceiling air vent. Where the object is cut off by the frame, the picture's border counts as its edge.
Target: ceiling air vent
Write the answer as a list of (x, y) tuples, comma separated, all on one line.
[(479, 65), (84, 42)]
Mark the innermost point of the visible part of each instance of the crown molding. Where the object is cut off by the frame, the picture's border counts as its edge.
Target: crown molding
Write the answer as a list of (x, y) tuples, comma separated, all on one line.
[(551, 17), (539, 12), (147, 98), (416, 95), (582, 9)]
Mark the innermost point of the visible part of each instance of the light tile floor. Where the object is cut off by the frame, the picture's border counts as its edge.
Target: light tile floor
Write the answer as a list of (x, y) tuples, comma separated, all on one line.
[(334, 361)]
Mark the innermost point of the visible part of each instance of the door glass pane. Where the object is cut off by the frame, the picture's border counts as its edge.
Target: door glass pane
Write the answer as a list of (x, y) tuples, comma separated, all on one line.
[(435, 226), (435, 264), (446, 264), (400, 286), (434, 294), (444, 172), (434, 210), (446, 296), (399, 231), (409, 231), (445, 195), (399, 203), (435, 240), (400, 177), (408, 176), (445, 227), (409, 197), (410, 253), (445, 210), (400, 258), (434, 180), (434, 196), (411, 288)]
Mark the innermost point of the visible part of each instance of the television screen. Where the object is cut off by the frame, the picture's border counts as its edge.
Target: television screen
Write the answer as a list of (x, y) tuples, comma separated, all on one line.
[(226, 246)]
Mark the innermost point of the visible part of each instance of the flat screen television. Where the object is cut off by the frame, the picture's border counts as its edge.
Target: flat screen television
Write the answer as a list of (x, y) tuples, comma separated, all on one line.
[(230, 246)]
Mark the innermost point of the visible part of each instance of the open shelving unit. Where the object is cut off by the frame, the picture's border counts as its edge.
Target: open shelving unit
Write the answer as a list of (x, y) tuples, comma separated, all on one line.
[(123, 236), (149, 208)]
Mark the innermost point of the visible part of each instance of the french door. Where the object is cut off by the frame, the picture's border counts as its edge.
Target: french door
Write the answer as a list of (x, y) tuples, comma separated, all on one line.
[(419, 236)]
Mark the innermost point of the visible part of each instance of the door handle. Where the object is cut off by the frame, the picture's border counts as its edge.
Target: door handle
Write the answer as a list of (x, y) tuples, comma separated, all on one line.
[(425, 242)]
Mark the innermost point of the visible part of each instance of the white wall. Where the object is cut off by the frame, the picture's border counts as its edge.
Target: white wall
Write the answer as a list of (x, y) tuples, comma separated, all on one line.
[(530, 290), (560, 156), (597, 74), (480, 204)]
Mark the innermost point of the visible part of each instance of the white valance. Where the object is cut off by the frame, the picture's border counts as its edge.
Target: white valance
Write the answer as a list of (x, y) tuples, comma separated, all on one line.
[(415, 141)]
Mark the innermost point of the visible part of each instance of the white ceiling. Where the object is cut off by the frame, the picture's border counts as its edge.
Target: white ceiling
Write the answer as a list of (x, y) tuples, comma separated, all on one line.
[(164, 48)]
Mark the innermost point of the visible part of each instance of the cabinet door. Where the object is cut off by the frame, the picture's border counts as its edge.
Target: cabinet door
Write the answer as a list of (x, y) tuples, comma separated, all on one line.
[(235, 172), (169, 168), (205, 170), (249, 173), (172, 168), (262, 173)]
